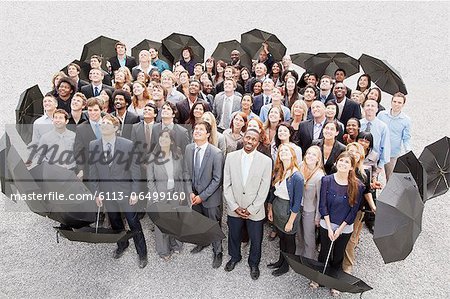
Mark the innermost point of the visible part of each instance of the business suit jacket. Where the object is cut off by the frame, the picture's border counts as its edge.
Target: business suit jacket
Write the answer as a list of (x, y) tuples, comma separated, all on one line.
[(218, 106), (81, 83), (337, 149), (253, 194), (258, 102), (209, 184), (157, 176), (184, 109), (83, 136), (351, 109), (130, 63), (142, 150), (181, 136), (130, 119), (88, 90), (119, 175), (305, 134)]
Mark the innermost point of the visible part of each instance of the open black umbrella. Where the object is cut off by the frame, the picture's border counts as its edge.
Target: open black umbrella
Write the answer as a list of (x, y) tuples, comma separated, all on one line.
[(92, 235), (408, 163), (5, 177), (332, 278), (185, 224), (28, 110), (399, 218), (84, 72), (435, 159), (174, 43), (75, 207), (382, 74), (102, 46), (147, 44), (252, 41), (223, 51), (300, 58), (328, 63)]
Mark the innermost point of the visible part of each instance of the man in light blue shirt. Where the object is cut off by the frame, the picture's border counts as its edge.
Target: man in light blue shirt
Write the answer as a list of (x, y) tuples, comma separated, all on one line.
[(399, 125), (379, 131)]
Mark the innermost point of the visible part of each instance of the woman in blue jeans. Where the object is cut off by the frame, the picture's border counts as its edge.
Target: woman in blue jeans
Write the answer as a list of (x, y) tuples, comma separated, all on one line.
[(340, 196)]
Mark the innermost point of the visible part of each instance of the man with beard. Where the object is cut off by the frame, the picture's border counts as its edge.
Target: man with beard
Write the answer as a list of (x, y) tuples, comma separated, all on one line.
[(346, 107), (156, 62), (122, 99), (184, 107)]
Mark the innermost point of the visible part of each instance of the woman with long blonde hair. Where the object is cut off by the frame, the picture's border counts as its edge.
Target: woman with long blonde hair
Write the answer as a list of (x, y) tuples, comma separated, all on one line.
[(283, 211), (312, 170), (215, 138)]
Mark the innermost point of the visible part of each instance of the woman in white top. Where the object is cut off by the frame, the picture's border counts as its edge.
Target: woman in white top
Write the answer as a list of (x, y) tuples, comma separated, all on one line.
[(140, 99)]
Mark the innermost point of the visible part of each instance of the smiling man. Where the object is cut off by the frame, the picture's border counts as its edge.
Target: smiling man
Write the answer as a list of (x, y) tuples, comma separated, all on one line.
[(346, 107)]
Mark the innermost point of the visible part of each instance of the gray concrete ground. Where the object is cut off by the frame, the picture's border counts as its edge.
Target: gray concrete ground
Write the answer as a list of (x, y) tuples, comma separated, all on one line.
[(39, 38)]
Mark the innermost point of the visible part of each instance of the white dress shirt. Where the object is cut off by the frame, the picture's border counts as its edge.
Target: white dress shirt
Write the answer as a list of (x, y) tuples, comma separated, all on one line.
[(246, 163)]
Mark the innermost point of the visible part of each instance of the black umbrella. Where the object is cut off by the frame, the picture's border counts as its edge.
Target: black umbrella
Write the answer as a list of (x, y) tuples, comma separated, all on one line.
[(408, 163), (77, 207), (252, 41), (5, 177), (147, 44), (174, 43), (399, 218), (223, 51), (332, 278), (328, 63), (300, 58), (185, 224), (28, 110), (435, 159), (84, 72), (102, 46), (92, 235), (382, 74)]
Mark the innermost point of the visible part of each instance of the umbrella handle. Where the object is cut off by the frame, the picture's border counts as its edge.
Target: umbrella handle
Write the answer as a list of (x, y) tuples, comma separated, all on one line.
[(57, 237), (328, 257), (98, 218)]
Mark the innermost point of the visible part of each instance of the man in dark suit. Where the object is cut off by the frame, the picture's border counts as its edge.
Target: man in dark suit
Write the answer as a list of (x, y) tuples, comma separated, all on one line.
[(84, 134), (168, 112), (184, 106), (96, 63), (326, 85), (122, 99), (114, 171), (121, 59), (73, 71), (204, 169), (228, 74), (339, 76), (311, 129), (96, 86), (346, 107), (264, 98)]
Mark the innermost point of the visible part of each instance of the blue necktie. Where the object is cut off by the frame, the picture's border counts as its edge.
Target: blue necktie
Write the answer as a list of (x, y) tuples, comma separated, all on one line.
[(96, 93)]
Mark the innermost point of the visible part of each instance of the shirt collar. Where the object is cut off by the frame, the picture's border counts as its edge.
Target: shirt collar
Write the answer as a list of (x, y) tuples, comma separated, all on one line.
[(251, 155), (203, 147)]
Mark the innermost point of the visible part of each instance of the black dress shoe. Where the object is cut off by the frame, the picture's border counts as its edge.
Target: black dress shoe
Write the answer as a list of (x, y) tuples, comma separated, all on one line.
[(280, 271), (275, 265), (119, 252), (217, 261), (230, 265), (197, 249), (254, 272), (143, 261)]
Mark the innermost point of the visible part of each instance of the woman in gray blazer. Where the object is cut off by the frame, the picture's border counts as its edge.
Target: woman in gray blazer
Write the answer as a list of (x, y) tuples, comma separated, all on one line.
[(164, 179)]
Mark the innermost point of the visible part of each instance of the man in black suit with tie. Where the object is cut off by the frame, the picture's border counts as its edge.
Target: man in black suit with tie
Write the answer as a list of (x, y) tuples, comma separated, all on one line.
[(73, 71), (184, 106), (122, 99), (311, 129), (84, 134), (121, 59), (96, 63), (346, 107), (115, 175), (264, 98), (96, 86)]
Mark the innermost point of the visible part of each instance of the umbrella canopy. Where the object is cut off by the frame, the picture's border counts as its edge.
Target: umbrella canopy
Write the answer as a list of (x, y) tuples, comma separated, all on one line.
[(102, 46), (84, 72), (382, 74), (328, 63), (252, 41), (147, 44), (28, 110), (223, 51), (399, 218), (174, 44), (300, 58), (332, 278), (5, 177), (436, 161), (89, 235), (408, 163), (73, 212), (185, 224)]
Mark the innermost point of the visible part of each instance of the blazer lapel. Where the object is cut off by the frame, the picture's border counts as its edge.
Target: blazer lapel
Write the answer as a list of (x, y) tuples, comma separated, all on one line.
[(205, 159), (253, 169)]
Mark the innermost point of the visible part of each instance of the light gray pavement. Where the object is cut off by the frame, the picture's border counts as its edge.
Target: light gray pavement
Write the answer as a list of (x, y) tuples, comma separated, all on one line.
[(39, 38)]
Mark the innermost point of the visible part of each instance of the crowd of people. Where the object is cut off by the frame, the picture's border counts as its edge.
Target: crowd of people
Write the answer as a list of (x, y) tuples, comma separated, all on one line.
[(300, 153)]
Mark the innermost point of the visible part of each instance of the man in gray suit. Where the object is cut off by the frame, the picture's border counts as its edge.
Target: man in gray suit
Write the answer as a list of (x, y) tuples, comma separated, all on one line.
[(203, 169), (246, 183), (225, 104), (114, 175)]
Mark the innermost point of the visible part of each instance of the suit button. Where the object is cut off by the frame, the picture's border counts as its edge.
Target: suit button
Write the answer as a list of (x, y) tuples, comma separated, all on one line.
[(243, 192)]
